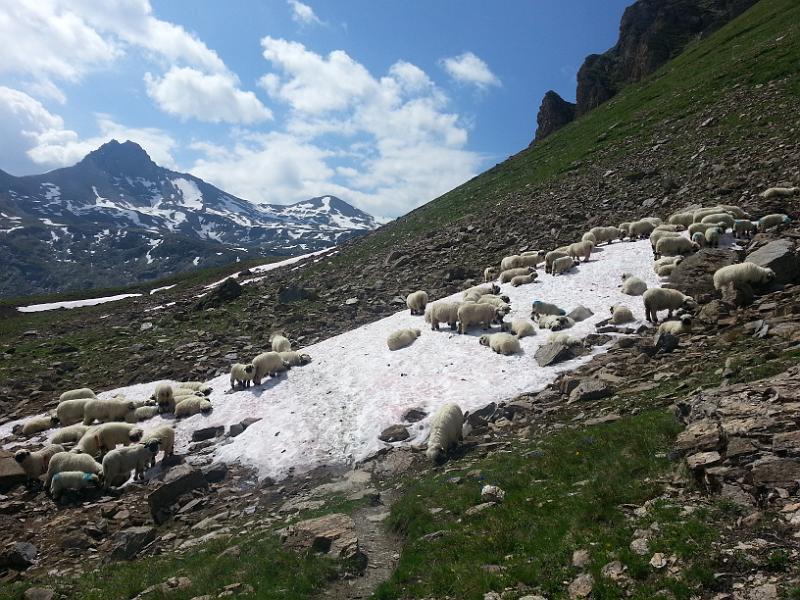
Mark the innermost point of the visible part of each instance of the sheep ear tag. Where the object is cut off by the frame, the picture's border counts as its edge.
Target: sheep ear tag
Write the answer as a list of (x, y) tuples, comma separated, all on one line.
[(87, 476)]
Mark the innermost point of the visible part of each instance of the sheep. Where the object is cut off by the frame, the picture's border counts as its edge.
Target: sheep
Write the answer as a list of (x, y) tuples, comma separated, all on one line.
[(544, 308), (672, 246), (700, 228), (624, 228), (482, 290), (773, 220), (745, 272), (555, 322), (165, 436), (197, 386), (35, 463), (509, 274), (142, 413), (666, 260), (495, 300), (295, 359), (552, 256), (71, 461), (490, 273), (621, 314), (442, 312), (71, 411), (470, 315), (666, 270), (35, 425), (582, 249), (589, 237), (633, 286), (164, 395), (501, 343), (563, 338), (640, 229), (684, 325), (69, 435), (446, 431), (282, 344), (735, 211), (107, 410), (656, 299), (700, 239), (659, 235), (118, 464), (530, 260), (523, 279), (723, 219), (402, 338), (712, 236), (181, 394), (509, 262), (73, 481), (76, 394), (564, 264), (779, 192), (684, 219), (522, 328), (416, 301), (654, 220), (674, 227), (105, 437), (539, 253), (242, 374), (744, 228), (267, 363), (192, 406), (606, 234), (704, 212)]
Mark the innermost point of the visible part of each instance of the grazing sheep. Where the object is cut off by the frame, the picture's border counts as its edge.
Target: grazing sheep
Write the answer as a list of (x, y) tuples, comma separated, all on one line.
[(118, 464), (658, 235), (522, 328), (76, 394), (684, 219), (69, 435), (416, 301), (529, 260), (539, 253), (470, 315), (501, 343), (281, 343), (523, 280), (192, 406), (723, 219), (654, 220), (482, 290), (509, 262), (242, 375), (495, 300), (625, 228), (552, 256), (779, 192), (105, 437), (564, 264), (621, 314), (402, 338), (555, 322), (107, 410), (684, 325), (735, 211), (712, 237), (442, 312), (666, 270), (196, 386), (700, 228), (563, 338), (640, 229), (267, 363), (446, 431), (606, 234), (673, 227), (508, 275), (295, 359), (165, 436), (589, 237), (744, 228), (773, 220), (656, 299), (490, 273), (142, 413), (704, 212), (745, 272), (582, 249), (673, 246), (71, 411), (700, 239), (633, 286), (35, 425), (164, 397), (541, 309), (72, 481), (35, 463), (71, 461)]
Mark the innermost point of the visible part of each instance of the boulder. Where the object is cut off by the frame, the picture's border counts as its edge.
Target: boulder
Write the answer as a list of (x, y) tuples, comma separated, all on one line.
[(776, 473), (228, 290), (18, 555), (694, 276), (177, 481), (215, 472), (37, 593), (480, 417), (293, 293), (11, 473), (128, 542), (395, 433), (550, 354), (591, 389), (580, 313), (780, 256), (207, 433), (334, 535)]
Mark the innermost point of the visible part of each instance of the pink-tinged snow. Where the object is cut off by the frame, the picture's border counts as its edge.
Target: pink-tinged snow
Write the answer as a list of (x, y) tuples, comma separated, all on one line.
[(74, 303), (331, 411)]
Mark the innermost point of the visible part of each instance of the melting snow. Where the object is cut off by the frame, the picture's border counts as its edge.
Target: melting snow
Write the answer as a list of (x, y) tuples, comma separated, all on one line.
[(74, 303), (192, 197), (269, 267), (161, 289)]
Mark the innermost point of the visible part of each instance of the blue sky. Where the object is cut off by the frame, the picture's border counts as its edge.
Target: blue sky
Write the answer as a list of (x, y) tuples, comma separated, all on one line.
[(386, 104)]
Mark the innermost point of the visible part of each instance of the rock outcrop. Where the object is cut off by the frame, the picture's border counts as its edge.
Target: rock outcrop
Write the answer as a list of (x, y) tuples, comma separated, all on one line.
[(554, 113)]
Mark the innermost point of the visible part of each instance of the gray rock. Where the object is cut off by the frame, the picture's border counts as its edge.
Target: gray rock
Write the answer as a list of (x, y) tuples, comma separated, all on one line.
[(666, 343), (207, 433), (773, 473), (215, 472), (19, 555), (11, 473), (695, 274), (591, 389), (781, 257), (414, 415), (37, 593), (550, 354), (580, 313), (395, 433), (128, 542), (480, 417), (177, 481), (334, 535)]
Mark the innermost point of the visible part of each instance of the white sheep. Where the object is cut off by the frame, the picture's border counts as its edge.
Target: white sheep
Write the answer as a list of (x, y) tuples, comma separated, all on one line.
[(490, 273), (402, 338), (509, 262), (640, 229), (71, 411), (656, 299), (417, 301), (470, 315), (625, 228), (295, 359), (684, 219), (745, 272), (192, 406), (563, 338), (555, 322), (197, 386), (735, 211), (69, 435), (142, 413), (659, 234), (770, 221), (107, 436), (442, 312), (76, 394), (666, 270), (673, 246), (700, 228), (165, 436), (36, 425), (73, 481), (242, 374), (563, 264), (582, 249), (552, 256), (502, 343), (704, 212), (633, 286), (654, 220), (684, 325), (280, 344), (606, 234), (509, 274), (495, 300), (540, 309), (107, 410), (589, 237), (780, 192), (529, 260), (700, 239), (522, 328), (71, 461), (725, 220), (446, 431), (35, 463), (744, 228), (712, 237), (674, 227), (666, 260), (621, 314), (164, 395), (118, 464), (267, 363), (523, 279)]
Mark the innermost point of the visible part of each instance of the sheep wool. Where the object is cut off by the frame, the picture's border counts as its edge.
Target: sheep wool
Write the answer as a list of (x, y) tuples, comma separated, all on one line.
[(779, 192), (76, 394), (633, 286), (508, 275), (744, 228), (746, 272), (192, 406), (280, 344), (640, 229), (242, 375), (267, 363), (699, 239), (509, 262), (118, 464), (672, 246), (142, 413), (165, 436), (71, 461), (724, 220), (621, 314), (522, 328), (501, 343), (551, 257), (563, 264), (37, 425), (490, 273), (684, 219), (107, 410), (700, 228), (69, 435), (656, 299), (684, 325), (402, 338), (295, 359), (109, 435), (589, 237), (545, 308), (606, 234), (563, 338), (523, 280), (712, 237), (196, 386), (417, 301), (770, 221), (72, 481), (165, 397), (71, 411), (471, 315), (446, 431), (582, 249), (35, 463), (442, 312), (555, 322)]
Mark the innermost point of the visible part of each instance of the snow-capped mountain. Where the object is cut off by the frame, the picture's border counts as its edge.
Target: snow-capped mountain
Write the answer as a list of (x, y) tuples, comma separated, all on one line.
[(118, 205)]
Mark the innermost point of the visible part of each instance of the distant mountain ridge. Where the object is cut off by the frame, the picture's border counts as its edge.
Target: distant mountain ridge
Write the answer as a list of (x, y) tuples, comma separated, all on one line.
[(60, 230)]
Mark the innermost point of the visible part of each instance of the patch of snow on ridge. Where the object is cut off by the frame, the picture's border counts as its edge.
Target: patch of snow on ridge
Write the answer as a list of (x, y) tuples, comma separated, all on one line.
[(74, 303), (191, 194)]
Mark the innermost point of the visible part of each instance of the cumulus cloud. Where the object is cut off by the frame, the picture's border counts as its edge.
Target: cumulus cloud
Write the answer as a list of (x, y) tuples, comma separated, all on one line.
[(303, 13), (469, 69)]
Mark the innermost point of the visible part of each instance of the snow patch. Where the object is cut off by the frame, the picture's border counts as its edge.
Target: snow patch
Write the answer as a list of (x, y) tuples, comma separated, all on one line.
[(191, 194), (161, 289), (74, 303)]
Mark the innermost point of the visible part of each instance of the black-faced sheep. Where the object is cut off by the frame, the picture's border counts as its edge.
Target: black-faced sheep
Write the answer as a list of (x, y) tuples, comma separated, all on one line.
[(107, 436), (749, 273), (700, 228), (563, 338), (118, 464), (71, 461), (76, 394), (267, 363), (72, 481), (165, 436), (35, 425), (471, 315), (242, 375), (35, 463), (197, 386), (442, 312), (107, 410), (624, 228), (656, 299), (704, 212), (508, 275), (700, 239), (589, 237), (555, 322), (417, 301), (142, 413), (684, 325), (621, 314), (523, 279), (402, 338), (446, 431), (502, 343), (563, 264), (712, 237), (295, 359), (770, 221), (192, 406), (633, 286), (495, 300), (673, 246), (69, 435), (280, 344), (582, 249)]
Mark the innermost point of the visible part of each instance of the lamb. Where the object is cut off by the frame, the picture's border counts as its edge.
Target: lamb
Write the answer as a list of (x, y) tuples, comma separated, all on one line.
[(69, 435), (633, 286), (118, 464), (555, 322), (282, 344), (295, 359), (672, 246), (700, 227), (165, 436), (684, 219), (773, 220), (76, 394), (470, 315), (197, 386), (402, 338), (267, 363), (73, 481), (107, 410), (242, 374), (544, 308), (416, 301), (723, 219), (582, 249), (564, 264), (35, 425), (523, 279), (508, 275), (744, 228), (71, 411), (490, 273), (442, 312), (142, 413), (779, 192), (700, 239), (501, 343), (35, 463), (684, 325), (192, 406), (165, 397), (640, 229), (446, 431), (550, 257), (522, 328), (589, 237), (606, 234), (712, 237), (745, 272), (656, 299), (621, 314), (71, 461)]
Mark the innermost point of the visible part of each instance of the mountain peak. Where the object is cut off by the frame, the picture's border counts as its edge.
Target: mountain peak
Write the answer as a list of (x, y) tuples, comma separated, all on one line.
[(114, 157)]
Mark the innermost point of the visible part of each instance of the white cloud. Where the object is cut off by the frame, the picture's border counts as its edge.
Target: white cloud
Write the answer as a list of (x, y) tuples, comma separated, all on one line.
[(468, 68), (303, 13), (186, 92)]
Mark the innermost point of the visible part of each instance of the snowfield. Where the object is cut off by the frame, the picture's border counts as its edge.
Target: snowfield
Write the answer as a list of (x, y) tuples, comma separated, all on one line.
[(74, 303)]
